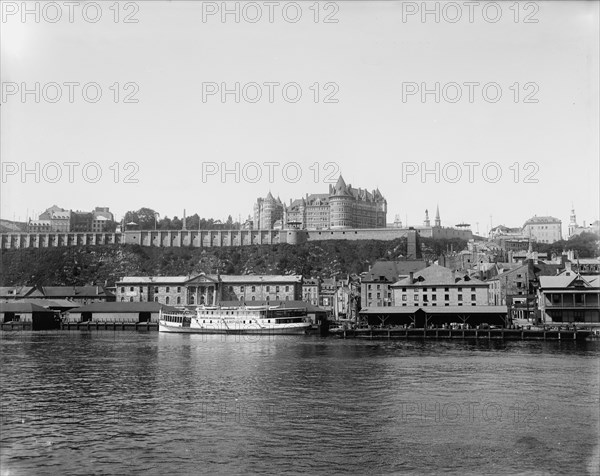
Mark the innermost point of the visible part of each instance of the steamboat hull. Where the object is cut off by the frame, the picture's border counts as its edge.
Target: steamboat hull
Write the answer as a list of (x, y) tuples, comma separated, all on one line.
[(283, 330)]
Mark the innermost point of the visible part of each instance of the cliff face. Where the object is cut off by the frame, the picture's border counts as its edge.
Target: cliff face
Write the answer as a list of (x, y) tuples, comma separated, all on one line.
[(99, 264)]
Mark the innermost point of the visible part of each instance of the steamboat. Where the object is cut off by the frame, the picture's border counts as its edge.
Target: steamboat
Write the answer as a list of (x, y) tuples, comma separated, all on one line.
[(236, 320)]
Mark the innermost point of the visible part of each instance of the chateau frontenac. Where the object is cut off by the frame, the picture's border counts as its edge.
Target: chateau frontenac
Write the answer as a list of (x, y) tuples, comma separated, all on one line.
[(343, 207)]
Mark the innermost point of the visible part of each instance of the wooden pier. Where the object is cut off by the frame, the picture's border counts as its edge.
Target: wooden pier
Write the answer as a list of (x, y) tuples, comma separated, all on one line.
[(90, 325), (474, 334)]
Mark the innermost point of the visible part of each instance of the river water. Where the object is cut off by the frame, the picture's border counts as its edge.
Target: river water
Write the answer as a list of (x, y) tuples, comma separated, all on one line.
[(118, 402)]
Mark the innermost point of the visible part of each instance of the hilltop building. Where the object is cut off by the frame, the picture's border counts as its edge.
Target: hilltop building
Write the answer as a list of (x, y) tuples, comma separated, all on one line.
[(342, 207), (545, 229), (56, 219), (574, 229)]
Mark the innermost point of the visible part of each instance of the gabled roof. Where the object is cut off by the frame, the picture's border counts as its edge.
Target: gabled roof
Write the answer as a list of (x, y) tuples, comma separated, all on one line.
[(544, 219), (19, 306), (566, 279), (392, 270), (113, 307), (436, 275), (52, 303)]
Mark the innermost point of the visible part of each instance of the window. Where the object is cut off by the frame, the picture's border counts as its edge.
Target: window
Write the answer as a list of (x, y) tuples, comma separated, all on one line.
[(155, 298), (473, 304), (268, 298), (424, 290), (446, 297), (404, 297), (378, 295), (230, 289), (268, 288), (167, 300), (379, 286), (241, 289), (178, 299), (403, 290), (276, 289), (277, 297), (369, 286), (472, 290), (416, 297), (254, 298), (473, 297), (460, 297), (287, 289), (253, 289), (434, 297), (425, 298), (130, 288), (168, 289), (460, 290), (122, 289), (287, 298), (156, 289), (122, 299), (131, 299), (433, 289), (446, 289), (141, 289), (178, 289)]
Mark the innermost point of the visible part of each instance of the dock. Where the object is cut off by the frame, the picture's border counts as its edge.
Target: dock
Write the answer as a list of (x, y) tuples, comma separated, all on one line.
[(475, 334), (89, 325)]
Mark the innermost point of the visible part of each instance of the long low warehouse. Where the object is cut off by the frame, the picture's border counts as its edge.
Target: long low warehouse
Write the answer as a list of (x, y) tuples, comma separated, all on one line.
[(422, 317), (120, 312)]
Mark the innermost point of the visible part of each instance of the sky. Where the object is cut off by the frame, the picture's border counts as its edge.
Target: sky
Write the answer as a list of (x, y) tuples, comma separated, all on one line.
[(492, 115)]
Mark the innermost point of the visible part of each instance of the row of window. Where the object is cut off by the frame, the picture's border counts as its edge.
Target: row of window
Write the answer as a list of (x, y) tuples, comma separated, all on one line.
[(434, 297), (168, 289)]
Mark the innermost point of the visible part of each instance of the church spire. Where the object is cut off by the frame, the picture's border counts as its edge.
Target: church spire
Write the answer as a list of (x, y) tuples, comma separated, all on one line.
[(438, 222)]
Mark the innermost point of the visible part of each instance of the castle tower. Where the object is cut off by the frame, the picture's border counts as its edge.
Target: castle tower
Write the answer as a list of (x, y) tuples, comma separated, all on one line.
[(427, 222), (340, 206), (437, 221)]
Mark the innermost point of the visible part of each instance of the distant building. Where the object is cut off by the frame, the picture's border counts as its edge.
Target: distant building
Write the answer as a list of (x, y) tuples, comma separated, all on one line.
[(575, 229), (343, 207), (376, 283), (439, 286), (545, 229), (208, 289), (56, 219)]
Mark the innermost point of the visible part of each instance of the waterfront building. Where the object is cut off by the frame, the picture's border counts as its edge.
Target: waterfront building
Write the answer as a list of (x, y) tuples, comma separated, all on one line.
[(77, 294), (376, 283), (208, 289), (439, 286), (343, 207), (544, 229), (117, 312), (569, 298), (28, 316)]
